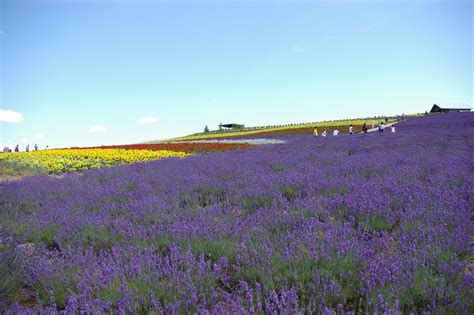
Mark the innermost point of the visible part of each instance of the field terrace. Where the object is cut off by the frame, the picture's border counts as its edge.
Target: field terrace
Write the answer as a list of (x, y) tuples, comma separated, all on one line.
[(367, 223), (190, 147)]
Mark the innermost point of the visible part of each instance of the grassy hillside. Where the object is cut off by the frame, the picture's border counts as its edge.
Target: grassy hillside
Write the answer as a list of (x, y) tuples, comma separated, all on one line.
[(279, 129)]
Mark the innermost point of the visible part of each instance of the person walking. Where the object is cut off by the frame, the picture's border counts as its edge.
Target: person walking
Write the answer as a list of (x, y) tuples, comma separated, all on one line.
[(27, 148), (373, 124), (351, 130), (335, 132), (315, 131), (364, 128), (381, 126), (324, 134), (36, 147), (17, 148), (392, 129)]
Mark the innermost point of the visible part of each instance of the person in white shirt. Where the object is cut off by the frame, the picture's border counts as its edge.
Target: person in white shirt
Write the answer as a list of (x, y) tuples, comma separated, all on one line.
[(351, 130), (335, 132), (392, 128), (324, 133)]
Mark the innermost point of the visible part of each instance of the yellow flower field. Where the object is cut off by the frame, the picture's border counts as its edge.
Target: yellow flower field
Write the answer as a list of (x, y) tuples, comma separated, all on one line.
[(70, 160)]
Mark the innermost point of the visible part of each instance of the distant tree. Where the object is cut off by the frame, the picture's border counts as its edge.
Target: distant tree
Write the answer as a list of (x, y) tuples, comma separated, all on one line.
[(206, 129)]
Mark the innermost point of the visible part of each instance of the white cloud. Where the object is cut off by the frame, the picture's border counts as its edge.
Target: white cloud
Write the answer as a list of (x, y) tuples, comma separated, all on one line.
[(39, 136), (97, 128), (10, 116), (23, 140), (148, 120)]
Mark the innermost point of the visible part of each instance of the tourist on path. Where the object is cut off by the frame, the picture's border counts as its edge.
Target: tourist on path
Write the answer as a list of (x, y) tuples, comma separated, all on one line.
[(381, 127), (36, 147), (351, 130), (335, 132), (17, 148), (392, 128), (324, 133), (364, 128), (315, 132), (27, 148)]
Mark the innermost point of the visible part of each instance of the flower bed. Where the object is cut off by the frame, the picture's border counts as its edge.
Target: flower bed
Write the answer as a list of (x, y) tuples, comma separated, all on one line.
[(70, 160), (183, 147)]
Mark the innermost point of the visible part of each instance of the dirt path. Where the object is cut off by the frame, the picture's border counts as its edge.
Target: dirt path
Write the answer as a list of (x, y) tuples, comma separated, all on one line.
[(377, 128), (249, 141)]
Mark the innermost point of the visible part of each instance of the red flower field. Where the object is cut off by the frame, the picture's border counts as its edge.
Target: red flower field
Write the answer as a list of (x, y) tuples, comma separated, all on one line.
[(189, 147)]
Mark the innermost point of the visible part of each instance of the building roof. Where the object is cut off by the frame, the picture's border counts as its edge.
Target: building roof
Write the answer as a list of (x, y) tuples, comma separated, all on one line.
[(437, 107), (231, 125)]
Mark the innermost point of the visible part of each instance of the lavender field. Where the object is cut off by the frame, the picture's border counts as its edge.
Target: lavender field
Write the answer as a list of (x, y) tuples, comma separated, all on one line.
[(375, 223)]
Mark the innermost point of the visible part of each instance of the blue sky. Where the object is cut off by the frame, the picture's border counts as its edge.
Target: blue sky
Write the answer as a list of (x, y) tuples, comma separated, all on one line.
[(79, 73)]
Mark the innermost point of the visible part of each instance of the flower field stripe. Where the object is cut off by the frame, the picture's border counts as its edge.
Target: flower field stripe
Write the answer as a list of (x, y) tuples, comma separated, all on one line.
[(182, 147), (70, 160)]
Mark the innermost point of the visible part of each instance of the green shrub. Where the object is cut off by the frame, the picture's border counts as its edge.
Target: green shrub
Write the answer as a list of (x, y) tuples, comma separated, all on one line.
[(378, 224), (213, 249), (290, 192), (250, 204), (12, 276), (47, 234)]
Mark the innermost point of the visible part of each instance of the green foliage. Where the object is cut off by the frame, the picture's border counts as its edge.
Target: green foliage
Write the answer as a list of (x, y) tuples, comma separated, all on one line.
[(378, 224), (202, 196), (369, 173), (302, 271), (161, 244), (296, 271), (214, 249), (12, 276), (330, 162), (345, 271), (56, 291), (250, 204), (278, 167), (47, 234), (17, 169), (341, 213), (132, 186), (110, 292), (208, 194), (331, 191), (99, 238), (418, 295), (290, 192)]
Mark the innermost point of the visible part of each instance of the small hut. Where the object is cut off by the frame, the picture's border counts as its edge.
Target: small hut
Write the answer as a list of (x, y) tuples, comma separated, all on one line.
[(232, 126)]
